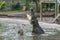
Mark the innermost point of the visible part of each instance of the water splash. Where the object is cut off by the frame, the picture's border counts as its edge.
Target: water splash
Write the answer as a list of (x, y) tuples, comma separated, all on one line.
[(10, 31)]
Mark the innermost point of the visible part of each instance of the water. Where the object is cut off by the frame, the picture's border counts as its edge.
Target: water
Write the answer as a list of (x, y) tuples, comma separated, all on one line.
[(9, 31)]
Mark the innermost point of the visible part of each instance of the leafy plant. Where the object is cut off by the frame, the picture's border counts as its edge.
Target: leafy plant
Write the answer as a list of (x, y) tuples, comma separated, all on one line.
[(27, 4), (2, 5), (16, 6)]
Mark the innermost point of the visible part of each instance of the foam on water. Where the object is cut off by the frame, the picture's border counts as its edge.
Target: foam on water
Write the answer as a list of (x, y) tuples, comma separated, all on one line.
[(11, 32)]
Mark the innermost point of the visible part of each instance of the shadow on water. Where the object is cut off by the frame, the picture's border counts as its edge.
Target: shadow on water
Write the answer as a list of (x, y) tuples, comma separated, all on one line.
[(8, 32)]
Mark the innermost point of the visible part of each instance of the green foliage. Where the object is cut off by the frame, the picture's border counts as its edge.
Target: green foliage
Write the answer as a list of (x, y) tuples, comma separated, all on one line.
[(2, 5), (27, 4), (16, 6), (35, 0)]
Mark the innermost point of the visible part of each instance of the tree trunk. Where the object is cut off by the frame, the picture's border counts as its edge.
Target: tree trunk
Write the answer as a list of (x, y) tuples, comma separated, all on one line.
[(37, 6)]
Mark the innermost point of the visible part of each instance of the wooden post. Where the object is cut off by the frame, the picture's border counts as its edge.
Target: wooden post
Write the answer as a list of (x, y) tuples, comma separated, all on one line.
[(56, 4), (56, 9)]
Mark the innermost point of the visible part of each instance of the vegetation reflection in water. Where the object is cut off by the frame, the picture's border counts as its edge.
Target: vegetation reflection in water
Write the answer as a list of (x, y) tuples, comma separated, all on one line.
[(12, 34)]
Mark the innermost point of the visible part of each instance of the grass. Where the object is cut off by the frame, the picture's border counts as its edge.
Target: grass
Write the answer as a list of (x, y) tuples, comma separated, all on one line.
[(16, 11), (12, 12)]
